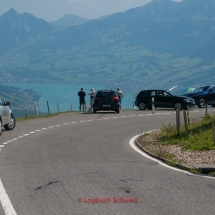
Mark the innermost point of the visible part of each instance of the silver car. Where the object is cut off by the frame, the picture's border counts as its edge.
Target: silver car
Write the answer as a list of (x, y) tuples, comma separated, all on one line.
[(6, 116)]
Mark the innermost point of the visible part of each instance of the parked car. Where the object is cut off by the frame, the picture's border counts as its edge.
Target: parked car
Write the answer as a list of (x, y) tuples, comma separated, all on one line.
[(162, 98), (7, 118), (106, 100), (203, 95)]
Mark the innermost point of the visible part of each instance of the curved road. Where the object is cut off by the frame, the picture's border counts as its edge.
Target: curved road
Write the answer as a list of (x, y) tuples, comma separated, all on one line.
[(62, 165)]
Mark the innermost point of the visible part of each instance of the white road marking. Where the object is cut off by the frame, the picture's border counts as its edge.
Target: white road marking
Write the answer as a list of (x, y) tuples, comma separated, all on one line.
[(58, 125), (5, 201), (132, 144), (43, 128), (73, 122), (82, 121), (32, 132), (2, 146), (66, 123), (106, 118)]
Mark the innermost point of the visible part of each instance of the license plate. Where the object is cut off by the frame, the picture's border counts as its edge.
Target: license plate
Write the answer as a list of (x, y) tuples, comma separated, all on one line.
[(106, 105)]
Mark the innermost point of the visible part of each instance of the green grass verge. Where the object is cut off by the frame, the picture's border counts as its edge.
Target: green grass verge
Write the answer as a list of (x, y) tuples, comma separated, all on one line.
[(200, 135), (43, 116)]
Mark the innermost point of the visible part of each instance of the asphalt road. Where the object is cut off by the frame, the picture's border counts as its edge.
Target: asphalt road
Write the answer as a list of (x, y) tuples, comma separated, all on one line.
[(62, 165)]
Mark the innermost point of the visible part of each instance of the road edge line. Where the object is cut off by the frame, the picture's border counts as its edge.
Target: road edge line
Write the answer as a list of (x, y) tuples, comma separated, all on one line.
[(133, 145), (5, 201)]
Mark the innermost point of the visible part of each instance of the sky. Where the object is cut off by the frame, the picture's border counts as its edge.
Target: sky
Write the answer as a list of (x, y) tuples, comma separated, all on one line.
[(52, 10)]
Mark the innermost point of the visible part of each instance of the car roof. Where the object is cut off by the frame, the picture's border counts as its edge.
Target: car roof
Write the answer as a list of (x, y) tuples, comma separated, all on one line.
[(105, 91), (154, 90)]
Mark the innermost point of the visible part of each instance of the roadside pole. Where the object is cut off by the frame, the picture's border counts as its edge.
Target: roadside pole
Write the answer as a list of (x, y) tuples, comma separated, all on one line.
[(213, 129), (35, 106), (206, 108), (188, 114), (26, 112), (153, 105), (58, 108), (48, 107), (178, 119), (186, 124)]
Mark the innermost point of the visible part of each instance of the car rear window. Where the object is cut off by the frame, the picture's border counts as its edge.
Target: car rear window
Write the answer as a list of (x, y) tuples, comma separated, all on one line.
[(105, 94)]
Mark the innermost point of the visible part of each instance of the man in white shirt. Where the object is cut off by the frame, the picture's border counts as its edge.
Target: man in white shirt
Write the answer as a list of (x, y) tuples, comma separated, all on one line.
[(120, 94)]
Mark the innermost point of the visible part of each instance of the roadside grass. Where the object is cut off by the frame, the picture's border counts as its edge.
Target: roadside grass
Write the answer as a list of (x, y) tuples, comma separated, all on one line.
[(42, 116), (200, 139), (200, 135)]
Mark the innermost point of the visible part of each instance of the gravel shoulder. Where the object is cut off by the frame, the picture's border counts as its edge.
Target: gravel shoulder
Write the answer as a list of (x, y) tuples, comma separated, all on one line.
[(175, 153)]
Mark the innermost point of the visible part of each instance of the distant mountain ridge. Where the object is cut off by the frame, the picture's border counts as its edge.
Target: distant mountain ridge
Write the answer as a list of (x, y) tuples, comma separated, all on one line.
[(69, 20), (163, 41), (20, 29)]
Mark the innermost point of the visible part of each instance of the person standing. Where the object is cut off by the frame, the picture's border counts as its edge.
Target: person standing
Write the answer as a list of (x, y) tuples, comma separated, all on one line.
[(92, 95), (81, 95), (120, 95)]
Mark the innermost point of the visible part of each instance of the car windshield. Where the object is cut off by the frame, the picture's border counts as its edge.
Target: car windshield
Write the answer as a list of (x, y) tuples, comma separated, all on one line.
[(105, 94), (202, 89), (172, 93)]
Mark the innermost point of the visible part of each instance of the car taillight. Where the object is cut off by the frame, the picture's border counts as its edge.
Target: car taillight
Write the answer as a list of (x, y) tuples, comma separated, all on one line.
[(116, 98), (98, 99)]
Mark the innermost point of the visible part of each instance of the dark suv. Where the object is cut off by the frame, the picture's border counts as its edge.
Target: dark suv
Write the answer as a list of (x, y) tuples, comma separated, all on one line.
[(106, 100), (203, 95), (162, 98)]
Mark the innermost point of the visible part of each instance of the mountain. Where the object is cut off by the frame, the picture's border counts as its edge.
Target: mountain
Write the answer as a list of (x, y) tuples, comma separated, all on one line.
[(69, 20), (160, 26), (20, 29), (160, 44)]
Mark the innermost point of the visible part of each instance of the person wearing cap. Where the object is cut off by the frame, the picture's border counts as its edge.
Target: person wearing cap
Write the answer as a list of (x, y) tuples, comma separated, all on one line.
[(81, 95), (120, 94), (92, 95)]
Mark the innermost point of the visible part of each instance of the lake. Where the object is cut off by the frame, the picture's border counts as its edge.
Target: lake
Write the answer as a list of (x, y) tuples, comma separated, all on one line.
[(65, 95)]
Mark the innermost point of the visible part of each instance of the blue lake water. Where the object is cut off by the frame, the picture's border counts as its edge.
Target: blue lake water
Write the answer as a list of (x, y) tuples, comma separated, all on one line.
[(65, 95)]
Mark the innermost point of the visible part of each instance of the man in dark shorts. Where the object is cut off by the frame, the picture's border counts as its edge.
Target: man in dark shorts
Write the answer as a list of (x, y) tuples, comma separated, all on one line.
[(82, 95)]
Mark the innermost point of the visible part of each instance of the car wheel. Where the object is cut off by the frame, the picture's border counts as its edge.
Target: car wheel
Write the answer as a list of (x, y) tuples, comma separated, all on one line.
[(202, 103), (177, 105), (213, 106), (0, 127), (117, 110), (11, 125), (142, 106)]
